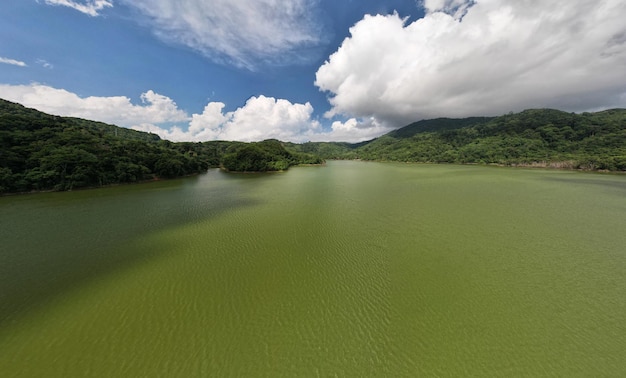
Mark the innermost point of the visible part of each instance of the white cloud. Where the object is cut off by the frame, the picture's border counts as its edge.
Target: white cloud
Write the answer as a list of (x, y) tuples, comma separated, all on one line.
[(117, 110), (241, 32), (264, 118), (502, 56), (455, 8), (45, 64), (12, 62), (89, 7), (259, 118), (353, 130)]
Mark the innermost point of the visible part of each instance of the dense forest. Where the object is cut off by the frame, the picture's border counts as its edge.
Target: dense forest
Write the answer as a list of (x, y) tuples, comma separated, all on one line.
[(540, 137), (44, 152), (268, 155)]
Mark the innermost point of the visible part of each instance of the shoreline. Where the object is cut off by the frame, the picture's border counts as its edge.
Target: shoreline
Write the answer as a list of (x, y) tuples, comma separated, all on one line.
[(557, 166), (156, 179)]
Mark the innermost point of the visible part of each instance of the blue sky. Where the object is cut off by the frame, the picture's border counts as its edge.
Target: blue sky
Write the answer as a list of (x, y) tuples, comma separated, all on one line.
[(302, 70)]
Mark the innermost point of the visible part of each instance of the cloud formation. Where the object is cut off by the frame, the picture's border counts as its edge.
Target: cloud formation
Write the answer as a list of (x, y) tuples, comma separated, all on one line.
[(259, 118), (455, 8), (45, 64), (484, 58), (12, 62), (239, 32), (88, 7), (353, 130), (117, 110)]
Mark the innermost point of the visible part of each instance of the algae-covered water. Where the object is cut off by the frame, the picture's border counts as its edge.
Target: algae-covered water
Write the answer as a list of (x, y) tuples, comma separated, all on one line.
[(352, 269)]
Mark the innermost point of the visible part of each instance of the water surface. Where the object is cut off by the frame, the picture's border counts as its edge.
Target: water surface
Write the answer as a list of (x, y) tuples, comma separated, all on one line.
[(353, 269)]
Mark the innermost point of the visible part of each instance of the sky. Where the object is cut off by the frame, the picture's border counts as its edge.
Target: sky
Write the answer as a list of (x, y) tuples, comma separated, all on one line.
[(308, 70)]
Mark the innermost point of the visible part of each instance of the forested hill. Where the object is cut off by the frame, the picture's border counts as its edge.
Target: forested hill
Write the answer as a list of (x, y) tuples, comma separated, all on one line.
[(44, 152), (437, 125), (539, 137)]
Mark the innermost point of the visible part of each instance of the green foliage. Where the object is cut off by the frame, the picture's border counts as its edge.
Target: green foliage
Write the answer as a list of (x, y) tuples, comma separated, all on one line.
[(436, 125), (325, 150), (268, 155), (43, 152), (538, 137)]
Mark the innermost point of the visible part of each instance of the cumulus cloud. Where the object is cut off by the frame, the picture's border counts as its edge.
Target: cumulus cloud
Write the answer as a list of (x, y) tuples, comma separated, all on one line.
[(455, 8), (119, 110), (480, 58), (259, 118), (89, 7), (353, 130), (266, 118), (12, 62), (241, 32)]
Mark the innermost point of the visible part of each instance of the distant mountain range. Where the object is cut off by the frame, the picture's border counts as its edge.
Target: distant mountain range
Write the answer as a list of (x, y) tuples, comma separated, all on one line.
[(537, 137), (44, 152)]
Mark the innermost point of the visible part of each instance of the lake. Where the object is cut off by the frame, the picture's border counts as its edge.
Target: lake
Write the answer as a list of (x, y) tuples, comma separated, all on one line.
[(351, 269)]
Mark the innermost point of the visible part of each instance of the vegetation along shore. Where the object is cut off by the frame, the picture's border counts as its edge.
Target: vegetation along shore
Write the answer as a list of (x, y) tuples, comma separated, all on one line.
[(41, 152)]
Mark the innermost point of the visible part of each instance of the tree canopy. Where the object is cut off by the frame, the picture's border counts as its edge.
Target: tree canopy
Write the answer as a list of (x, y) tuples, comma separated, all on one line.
[(269, 155), (44, 152), (41, 152), (538, 137)]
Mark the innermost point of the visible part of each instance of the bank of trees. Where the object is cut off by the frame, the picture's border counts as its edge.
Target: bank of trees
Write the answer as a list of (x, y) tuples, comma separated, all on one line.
[(43, 152), (269, 155), (40, 152), (591, 141)]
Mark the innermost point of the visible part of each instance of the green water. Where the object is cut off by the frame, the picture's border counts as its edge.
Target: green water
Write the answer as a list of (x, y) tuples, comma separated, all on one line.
[(353, 269)]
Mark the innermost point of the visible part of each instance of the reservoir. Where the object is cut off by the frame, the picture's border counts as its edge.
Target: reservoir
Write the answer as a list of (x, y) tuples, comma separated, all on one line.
[(349, 269)]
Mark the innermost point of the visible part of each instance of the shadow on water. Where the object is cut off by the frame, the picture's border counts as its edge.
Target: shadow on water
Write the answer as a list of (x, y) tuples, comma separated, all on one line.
[(53, 242)]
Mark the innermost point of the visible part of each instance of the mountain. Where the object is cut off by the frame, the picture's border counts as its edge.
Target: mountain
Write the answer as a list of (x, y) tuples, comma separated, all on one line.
[(41, 152), (436, 125), (268, 155), (536, 137)]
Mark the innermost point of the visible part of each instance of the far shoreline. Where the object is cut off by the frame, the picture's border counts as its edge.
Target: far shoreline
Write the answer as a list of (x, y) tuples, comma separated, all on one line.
[(548, 166)]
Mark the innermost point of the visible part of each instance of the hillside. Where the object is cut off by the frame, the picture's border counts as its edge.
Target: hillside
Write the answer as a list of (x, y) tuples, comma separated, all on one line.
[(44, 152), (539, 137), (41, 152), (437, 125), (327, 150), (268, 155)]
